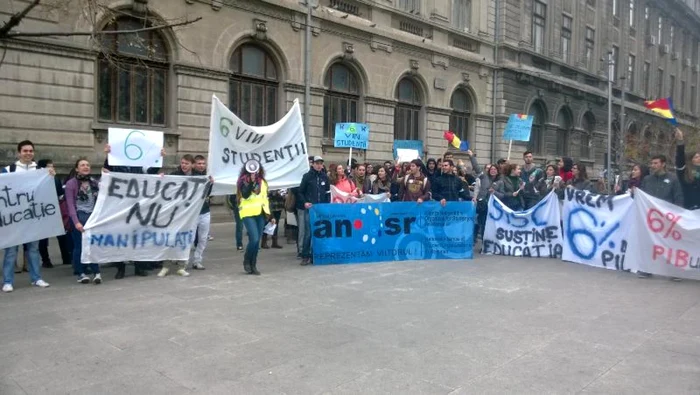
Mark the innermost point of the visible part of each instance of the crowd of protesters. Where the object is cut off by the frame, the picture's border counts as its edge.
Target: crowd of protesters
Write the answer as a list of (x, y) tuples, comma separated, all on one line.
[(520, 186)]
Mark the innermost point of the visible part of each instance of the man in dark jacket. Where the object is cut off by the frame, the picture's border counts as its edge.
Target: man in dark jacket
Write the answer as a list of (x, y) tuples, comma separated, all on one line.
[(448, 187), (314, 189), (530, 175), (661, 184)]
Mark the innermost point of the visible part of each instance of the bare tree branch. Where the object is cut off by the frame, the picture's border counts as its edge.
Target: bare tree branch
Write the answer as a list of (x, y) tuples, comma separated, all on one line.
[(17, 18), (103, 32)]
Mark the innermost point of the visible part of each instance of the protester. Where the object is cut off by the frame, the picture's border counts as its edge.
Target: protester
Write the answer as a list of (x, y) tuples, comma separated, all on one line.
[(530, 175), (639, 171), (550, 182), (509, 188), (81, 196), (432, 172), (254, 209), (314, 189), (276, 199), (688, 170), (382, 184), (448, 187), (662, 185), (580, 180), (371, 174), (64, 240), (25, 162), (415, 186), (486, 182), (361, 180), (291, 228), (565, 166), (341, 181), (204, 218)]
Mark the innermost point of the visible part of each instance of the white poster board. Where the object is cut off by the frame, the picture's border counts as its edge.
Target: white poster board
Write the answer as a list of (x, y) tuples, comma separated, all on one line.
[(134, 147), (280, 148), (29, 208)]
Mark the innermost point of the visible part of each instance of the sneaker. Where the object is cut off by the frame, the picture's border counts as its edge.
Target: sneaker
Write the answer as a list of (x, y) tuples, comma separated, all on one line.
[(163, 272), (183, 273), (643, 274), (305, 262), (7, 288), (210, 238), (676, 279), (83, 279), (239, 248), (198, 266), (97, 279), (40, 283)]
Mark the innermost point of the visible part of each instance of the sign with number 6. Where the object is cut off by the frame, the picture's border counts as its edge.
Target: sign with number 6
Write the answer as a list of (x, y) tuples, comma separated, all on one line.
[(134, 147)]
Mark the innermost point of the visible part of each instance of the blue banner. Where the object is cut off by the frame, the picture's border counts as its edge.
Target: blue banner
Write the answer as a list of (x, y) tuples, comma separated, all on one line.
[(355, 135), (408, 144), (518, 128), (400, 231)]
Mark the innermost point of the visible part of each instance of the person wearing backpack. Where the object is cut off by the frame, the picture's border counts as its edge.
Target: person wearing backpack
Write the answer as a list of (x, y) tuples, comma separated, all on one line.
[(415, 186), (25, 152)]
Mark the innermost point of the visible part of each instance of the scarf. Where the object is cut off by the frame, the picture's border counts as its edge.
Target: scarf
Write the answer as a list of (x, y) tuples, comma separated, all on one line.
[(84, 193), (696, 173), (515, 181)]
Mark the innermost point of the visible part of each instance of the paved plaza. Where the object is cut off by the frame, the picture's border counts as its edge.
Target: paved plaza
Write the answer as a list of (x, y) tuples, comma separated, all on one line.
[(488, 326)]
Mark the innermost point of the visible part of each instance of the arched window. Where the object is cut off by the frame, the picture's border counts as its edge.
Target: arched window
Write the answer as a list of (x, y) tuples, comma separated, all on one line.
[(253, 86), (538, 112), (407, 112), (342, 100), (564, 126), (133, 79), (461, 110), (588, 126)]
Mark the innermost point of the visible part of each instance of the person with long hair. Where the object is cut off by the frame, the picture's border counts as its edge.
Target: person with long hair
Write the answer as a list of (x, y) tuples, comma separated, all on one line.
[(580, 180), (551, 181), (340, 180), (486, 181), (688, 170), (639, 171), (383, 183), (509, 188), (81, 196), (362, 180), (254, 209), (566, 165)]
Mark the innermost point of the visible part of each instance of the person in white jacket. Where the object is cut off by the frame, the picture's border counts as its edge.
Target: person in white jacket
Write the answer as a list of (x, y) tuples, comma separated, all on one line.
[(25, 152)]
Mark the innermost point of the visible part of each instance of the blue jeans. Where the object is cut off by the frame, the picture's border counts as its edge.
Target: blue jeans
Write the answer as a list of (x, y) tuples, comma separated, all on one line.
[(305, 222), (78, 267), (239, 227), (254, 226), (33, 262)]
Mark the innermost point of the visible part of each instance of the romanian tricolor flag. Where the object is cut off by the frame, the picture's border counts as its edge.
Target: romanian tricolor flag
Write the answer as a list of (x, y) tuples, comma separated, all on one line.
[(663, 108)]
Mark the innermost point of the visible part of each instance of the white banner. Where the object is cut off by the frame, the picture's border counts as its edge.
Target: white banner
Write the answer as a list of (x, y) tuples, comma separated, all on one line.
[(140, 217), (280, 148), (533, 233), (338, 196), (28, 208), (596, 229), (132, 147), (666, 238)]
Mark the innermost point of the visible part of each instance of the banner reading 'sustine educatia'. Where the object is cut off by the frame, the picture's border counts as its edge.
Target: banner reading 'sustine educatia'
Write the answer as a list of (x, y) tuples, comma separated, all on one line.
[(375, 232)]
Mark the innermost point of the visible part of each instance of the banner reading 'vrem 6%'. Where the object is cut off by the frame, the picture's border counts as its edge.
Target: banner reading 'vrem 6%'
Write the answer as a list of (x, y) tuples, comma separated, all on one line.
[(141, 217), (280, 148), (363, 232)]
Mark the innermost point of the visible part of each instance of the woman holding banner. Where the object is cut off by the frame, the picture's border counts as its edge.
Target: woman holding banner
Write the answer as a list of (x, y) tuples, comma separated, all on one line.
[(254, 209), (81, 195), (382, 184), (340, 180), (580, 180), (509, 188), (550, 182)]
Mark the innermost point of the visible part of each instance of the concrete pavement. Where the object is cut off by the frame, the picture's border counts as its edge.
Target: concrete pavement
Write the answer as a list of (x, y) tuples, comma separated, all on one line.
[(491, 325)]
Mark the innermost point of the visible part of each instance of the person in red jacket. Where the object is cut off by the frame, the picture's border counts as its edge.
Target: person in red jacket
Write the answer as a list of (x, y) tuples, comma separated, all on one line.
[(566, 164)]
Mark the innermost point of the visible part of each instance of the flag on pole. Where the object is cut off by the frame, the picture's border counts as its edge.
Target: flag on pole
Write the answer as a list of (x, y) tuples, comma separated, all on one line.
[(663, 108), (455, 141)]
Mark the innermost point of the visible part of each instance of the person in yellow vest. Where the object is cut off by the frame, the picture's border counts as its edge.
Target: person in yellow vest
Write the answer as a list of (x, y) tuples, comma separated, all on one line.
[(254, 209)]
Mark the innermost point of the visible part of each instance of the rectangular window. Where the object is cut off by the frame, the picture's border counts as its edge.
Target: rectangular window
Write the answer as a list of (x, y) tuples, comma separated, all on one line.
[(693, 99), (660, 31), (647, 22), (566, 38), (645, 75), (660, 84), (590, 47), (631, 63), (462, 14), (672, 38), (632, 14), (671, 86), (683, 95), (615, 63), (539, 21), (412, 6), (616, 8)]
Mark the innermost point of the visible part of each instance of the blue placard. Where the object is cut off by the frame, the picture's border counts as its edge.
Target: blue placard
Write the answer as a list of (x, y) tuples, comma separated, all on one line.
[(401, 231), (355, 135), (408, 144), (518, 127)]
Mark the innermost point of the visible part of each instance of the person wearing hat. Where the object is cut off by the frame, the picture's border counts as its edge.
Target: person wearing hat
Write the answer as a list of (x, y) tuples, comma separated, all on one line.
[(314, 189), (254, 209)]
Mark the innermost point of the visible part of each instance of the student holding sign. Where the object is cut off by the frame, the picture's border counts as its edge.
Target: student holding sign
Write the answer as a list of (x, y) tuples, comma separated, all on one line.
[(254, 208), (81, 195)]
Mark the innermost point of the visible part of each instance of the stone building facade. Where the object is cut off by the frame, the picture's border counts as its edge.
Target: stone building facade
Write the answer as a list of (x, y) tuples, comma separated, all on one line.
[(411, 69)]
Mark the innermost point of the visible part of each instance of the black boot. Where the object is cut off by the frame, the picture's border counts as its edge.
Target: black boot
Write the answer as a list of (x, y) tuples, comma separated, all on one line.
[(246, 266), (263, 242), (121, 268), (140, 270), (254, 267), (275, 243)]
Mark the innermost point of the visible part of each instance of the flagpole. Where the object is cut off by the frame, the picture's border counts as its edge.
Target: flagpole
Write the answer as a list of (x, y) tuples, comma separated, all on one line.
[(609, 165)]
